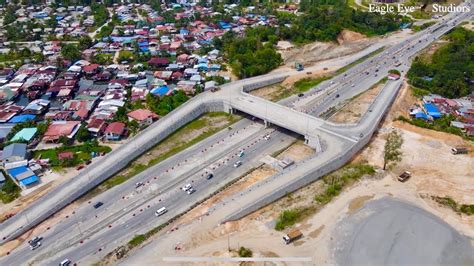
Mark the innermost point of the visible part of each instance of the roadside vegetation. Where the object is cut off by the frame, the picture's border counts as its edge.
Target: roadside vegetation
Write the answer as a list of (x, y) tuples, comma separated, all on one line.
[(442, 124), (448, 72), (392, 153), (467, 209), (423, 26), (334, 183), (358, 61), (323, 20), (9, 191), (80, 154), (245, 252)]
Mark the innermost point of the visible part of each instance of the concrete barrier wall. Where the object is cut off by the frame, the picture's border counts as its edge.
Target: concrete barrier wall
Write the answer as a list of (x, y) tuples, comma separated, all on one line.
[(110, 170), (250, 87), (332, 165)]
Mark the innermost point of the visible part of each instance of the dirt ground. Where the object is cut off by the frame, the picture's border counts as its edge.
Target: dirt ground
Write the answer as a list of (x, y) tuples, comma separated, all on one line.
[(297, 152), (426, 154), (347, 43), (354, 109)]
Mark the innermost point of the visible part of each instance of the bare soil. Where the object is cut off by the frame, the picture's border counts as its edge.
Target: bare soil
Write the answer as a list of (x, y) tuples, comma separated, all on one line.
[(426, 154), (355, 108)]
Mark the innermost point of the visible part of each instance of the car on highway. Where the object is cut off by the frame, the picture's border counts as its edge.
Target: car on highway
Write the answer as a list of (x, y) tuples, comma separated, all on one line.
[(98, 204), (65, 262), (187, 187), (267, 137), (160, 211), (191, 191), (301, 95), (35, 239), (237, 164), (241, 154), (35, 245), (337, 95), (139, 184), (209, 176)]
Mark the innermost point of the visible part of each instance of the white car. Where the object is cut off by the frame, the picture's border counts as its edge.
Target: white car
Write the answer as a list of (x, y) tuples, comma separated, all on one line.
[(191, 191), (187, 187), (237, 164)]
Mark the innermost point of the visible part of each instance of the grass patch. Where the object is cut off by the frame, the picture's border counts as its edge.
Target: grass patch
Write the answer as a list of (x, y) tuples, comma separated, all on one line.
[(467, 209), (442, 124), (305, 84), (334, 184), (81, 154), (358, 61), (423, 26), (9, 191), (177, 145), (337, 181), (300, 86)]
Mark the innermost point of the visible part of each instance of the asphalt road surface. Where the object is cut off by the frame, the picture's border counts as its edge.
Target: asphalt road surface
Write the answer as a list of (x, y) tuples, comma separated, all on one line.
[(392, 232)]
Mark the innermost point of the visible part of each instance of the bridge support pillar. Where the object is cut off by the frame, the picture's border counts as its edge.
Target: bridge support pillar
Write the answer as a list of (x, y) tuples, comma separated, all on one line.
[(231, 110), (266, 123), (313, 142)]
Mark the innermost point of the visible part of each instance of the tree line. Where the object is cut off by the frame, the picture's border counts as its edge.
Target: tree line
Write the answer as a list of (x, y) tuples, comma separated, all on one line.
[(450, 70)]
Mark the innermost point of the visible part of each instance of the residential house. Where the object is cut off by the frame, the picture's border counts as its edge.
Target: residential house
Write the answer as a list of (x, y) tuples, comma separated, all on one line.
[(115, 131), (142, 116)]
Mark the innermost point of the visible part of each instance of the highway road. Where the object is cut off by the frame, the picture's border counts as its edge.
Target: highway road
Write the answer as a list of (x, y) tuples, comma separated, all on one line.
[(124, 205), (335, 140)]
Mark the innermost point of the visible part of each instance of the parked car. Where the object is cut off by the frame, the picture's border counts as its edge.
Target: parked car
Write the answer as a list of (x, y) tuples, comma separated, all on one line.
[(404, 176)]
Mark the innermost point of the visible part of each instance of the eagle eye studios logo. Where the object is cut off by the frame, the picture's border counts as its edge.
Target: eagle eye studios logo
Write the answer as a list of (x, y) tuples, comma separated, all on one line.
[(404, 10)]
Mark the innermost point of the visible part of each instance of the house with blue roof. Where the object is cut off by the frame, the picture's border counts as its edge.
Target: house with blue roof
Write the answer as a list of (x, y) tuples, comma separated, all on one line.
[(24, 176), (161, 91), (432, 110), (25, 134), (21, 118)]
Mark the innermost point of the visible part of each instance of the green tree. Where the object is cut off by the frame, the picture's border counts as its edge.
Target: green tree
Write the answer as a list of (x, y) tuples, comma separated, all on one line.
[(85, 42), (70, 52), (392, 152), (82, 134), (245, 252)]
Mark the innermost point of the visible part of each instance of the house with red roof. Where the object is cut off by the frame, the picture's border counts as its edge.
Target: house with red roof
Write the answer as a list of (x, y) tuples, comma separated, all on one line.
[(61, 128), (157, 62), (142, 116), (91, 69), (96, 126), (115, 131)]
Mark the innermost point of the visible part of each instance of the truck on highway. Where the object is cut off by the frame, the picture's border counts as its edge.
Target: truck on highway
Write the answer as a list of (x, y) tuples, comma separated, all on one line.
[(292, 236), (459, 150)]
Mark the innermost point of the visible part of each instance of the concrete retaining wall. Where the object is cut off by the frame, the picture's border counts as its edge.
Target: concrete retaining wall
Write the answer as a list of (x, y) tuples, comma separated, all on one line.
[(332, 165)]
